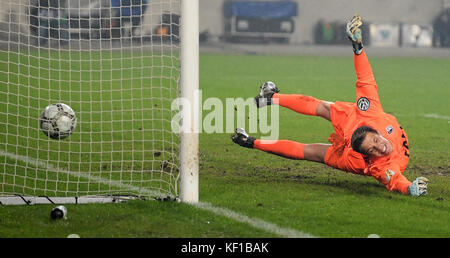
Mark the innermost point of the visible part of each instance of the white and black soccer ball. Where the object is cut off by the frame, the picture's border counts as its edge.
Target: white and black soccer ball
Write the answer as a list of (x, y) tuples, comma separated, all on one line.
[(58, 121)]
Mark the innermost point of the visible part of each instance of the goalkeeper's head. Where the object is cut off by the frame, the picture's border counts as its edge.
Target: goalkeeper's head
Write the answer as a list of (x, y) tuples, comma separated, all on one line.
[(370, 142)]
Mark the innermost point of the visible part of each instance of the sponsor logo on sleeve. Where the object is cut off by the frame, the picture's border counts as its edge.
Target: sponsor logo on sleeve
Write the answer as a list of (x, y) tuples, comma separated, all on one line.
[(389, 175), (363, 104)]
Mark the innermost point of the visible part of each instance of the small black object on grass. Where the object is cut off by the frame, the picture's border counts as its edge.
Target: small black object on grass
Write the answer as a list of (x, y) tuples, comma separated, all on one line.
[(59, 212)]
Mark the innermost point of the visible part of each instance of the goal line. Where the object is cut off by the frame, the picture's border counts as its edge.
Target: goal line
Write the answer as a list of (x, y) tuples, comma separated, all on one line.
[(125, 188)]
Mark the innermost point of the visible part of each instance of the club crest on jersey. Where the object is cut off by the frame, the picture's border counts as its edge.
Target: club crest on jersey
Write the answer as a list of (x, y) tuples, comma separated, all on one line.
[(389, 129), (363, 104)]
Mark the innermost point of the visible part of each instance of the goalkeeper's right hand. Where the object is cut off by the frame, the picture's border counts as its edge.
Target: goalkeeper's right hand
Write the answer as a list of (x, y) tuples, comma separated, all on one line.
[(418, 187)]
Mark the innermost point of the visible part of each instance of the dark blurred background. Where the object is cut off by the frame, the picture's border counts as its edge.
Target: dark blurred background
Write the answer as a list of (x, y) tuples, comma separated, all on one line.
[(400, 23)]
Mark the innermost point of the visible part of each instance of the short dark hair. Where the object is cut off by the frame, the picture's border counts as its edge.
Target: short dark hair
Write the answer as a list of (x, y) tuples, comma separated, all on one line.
[(358, 137)]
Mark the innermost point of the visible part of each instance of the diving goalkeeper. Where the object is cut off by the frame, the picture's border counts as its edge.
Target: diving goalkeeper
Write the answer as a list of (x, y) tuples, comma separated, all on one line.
[(366, 140)]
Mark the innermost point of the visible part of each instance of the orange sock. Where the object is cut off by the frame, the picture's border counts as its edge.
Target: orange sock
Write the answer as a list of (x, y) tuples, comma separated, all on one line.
[(302, 104), (285, 148)]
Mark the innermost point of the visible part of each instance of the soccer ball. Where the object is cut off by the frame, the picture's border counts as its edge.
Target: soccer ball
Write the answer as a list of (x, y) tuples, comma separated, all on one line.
[(58, 121)]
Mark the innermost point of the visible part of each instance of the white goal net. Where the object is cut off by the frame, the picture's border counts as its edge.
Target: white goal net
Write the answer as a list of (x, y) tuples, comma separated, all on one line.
[(116, 64)]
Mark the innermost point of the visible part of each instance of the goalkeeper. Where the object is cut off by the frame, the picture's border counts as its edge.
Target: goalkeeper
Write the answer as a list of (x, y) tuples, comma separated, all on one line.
[(366, 140)]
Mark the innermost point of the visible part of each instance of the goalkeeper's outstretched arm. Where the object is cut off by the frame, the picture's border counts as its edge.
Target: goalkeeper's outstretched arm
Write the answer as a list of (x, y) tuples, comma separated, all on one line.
[(395, 181), (367, 98)]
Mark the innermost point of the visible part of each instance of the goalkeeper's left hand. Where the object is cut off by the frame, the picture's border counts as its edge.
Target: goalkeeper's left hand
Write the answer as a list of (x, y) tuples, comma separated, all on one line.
[(354, 33), (353, 29), (418, 187)]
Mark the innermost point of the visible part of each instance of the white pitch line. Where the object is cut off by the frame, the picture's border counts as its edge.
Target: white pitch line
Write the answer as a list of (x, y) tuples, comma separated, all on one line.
[(437, 116), (50, 167), (254, 222)]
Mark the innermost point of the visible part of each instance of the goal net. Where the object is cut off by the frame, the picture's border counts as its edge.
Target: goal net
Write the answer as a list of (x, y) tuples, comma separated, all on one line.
[(116, 63)]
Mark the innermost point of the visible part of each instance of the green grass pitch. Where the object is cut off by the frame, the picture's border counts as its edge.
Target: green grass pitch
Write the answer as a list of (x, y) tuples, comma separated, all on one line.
[(299, 195)]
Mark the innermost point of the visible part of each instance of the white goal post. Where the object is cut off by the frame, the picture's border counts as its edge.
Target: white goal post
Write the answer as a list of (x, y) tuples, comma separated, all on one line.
[(120, 65), (189, 144)]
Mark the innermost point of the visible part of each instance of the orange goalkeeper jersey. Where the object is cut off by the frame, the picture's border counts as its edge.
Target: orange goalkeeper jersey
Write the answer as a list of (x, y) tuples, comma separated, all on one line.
[(367, 110)]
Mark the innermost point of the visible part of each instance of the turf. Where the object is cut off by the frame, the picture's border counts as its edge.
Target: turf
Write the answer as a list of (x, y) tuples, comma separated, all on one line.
[(304, 196), (313, 197)]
